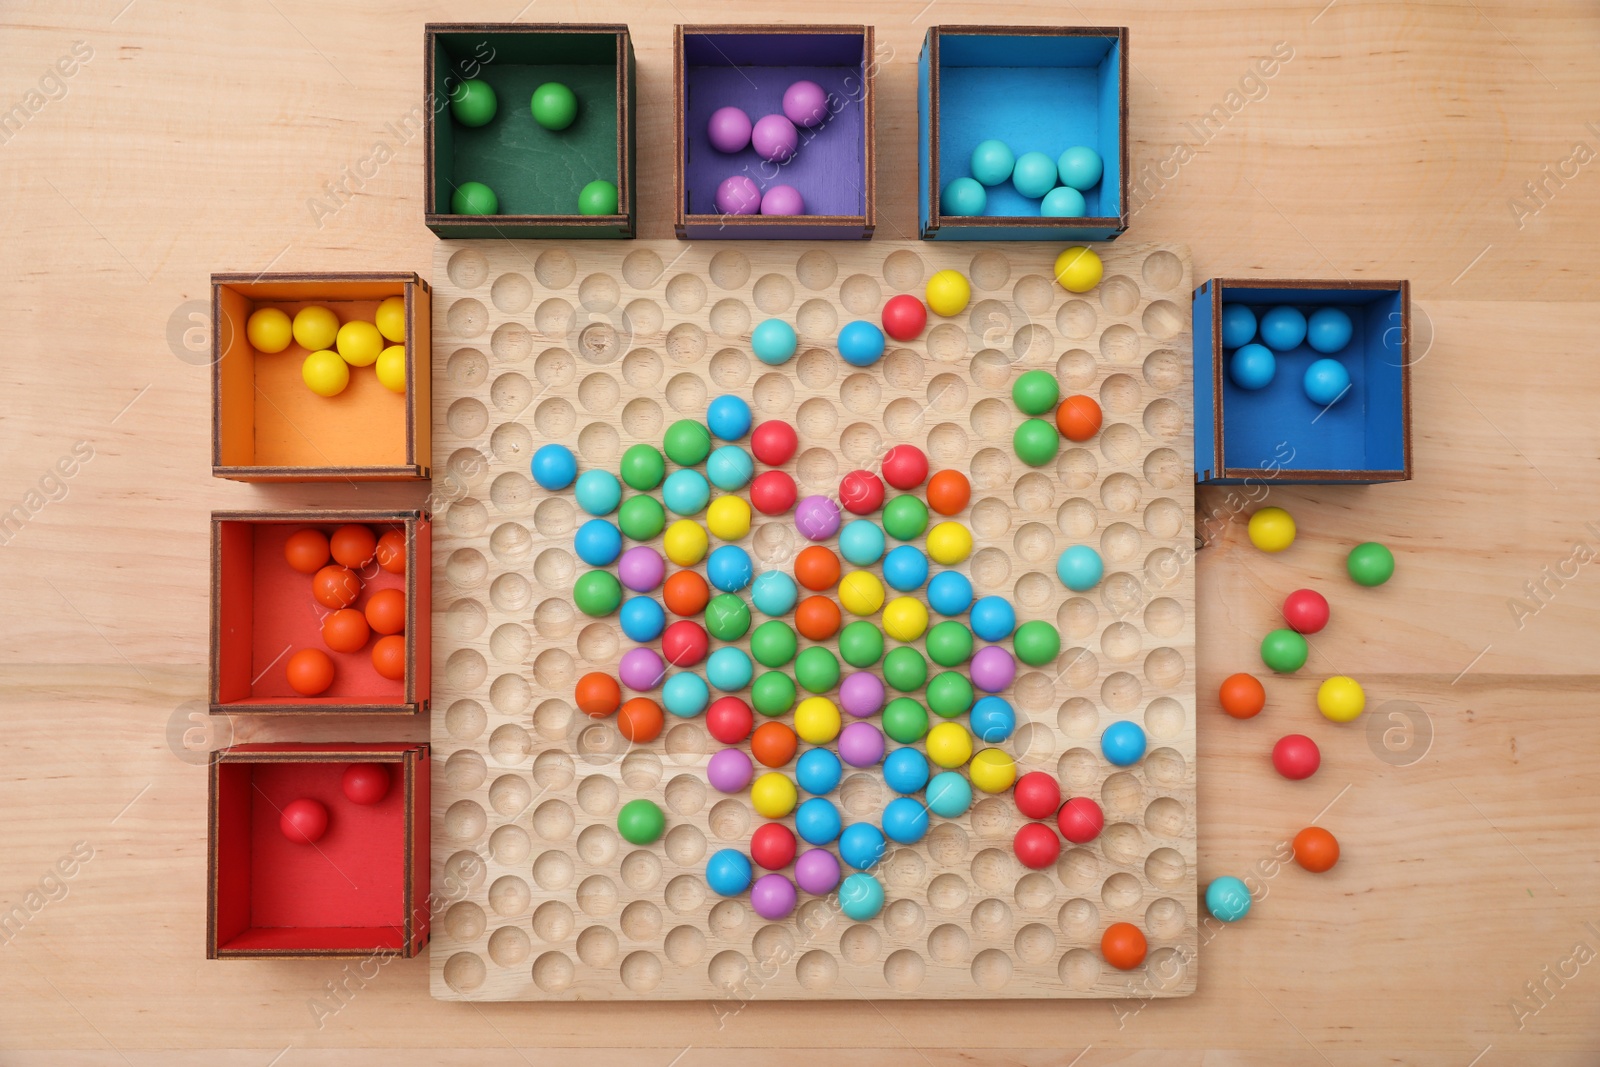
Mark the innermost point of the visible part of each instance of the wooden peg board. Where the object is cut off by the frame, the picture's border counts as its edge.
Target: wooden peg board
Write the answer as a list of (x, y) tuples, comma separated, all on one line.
[(601, 345)]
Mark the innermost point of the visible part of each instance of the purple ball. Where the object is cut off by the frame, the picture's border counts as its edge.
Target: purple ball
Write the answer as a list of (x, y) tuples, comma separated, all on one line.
[(729, 770), (775, 139), (738, 195), (817, 518), (641, 668), (782, 200), (817, 871), (805, 103), (861, 744), (861, 694), (729, 129), (772, 896), (641, 568), (992, 669)]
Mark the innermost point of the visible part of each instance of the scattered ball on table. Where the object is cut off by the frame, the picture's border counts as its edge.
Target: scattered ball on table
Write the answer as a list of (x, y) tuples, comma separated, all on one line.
[(269, 330), (860, 343), (949, 745), (738, 195), (1123, 946), (1228, 899), (1306, 611), (1063, 202), (473, 102), (1034, 174), (1253, 367), (861, 593), (805, 103), (904, 317), (992, 720), (314, 328), (1122, 743), (773, 593), (905, 466), (1326, 381), (905, 821), (1341, 699), (1080, 820), (554, 106), (1080, 568), (993, 618), (554, 467), (598, 197), (773, 493), (641, 517), (1316, 849), (307, 551), (1296, 757), (303, 821), (335, 587), (963, 197), (1078, 269), (640, 720), (861, 845), (1037, 794), (1035, 392), (641, 822), (390, 318), (641, 618), (391, 368), (949, 543), (949, 491), (817, 871), (1329, 330), (861, 492), (861, 744), (1036, 845), (685, 492), (641, 669), (365, 783), (389, 657), (1238, 326), (325, 373), (1080, 167), (1079, 418), (1036, 442), (1370, 564), (1283, 328), (597, 593), (783, 200), (728, 417), (774, 342), (993, 770), (993, 669), (597, 694), (774, 138), (774, 442), (860, 897), (728, 872), (598, 542), (729, 130), (729, 770), (819, 772), (1284, 651), (817, 518), (948, 293), (1271, 529), (310, 672), (992, 162), (1242, 696), (772, 846), (474, 198), (949, 795)]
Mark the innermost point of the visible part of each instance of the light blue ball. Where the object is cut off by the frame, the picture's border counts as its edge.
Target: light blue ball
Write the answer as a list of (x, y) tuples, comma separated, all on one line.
[(685, 695), (993, 618), (817, 821), (1283, 329), (728, 417), (774, 593), (905, 770), (729, 568), (861, 542), (1253, 367), (1329, 330), (729, 669), (1080, 167), (992, 720), (642, 618), (598, 542), (728, 872), (950, 593), (905, 568), (1122, 743), (949, 795), (730, 467), (861, 343), (1034, 175), (905, 820), (963, 197), (554, 467), (818, 771), (598, 492), (1326, 381), (1238, 325), (1064, 202), (1080, 568), (774, 342), (685, 492), (860, 897), (861, 845), (992, 162), (1228, 899)]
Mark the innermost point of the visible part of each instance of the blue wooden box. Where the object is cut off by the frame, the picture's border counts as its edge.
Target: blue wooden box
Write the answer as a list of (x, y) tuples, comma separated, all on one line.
[(1037, 88), (1279, 434)]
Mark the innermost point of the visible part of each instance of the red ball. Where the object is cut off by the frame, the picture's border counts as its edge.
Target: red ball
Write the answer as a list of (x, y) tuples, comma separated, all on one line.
[(366, 783), (905, 467), (861, 492), (1036, 845), (729, 720), (1080, 820), (1037, 795), (303, 821), (774, 442), (904, 317), (772, 493), (1296, 756), (1305, 610), (684, 643), (772, 846)]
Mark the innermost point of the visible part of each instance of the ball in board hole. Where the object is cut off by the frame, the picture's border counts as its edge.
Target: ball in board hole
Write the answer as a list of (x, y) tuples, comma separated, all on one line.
[(346, 630), (1242, 696), (948, 492), (773, 493), (685, 643), (1036, 845), (310, 672), (303, 821), (861, 492), (774, 442), (904, 317), (1080, 820), (597, 694), (389, 657), (365, 783), (905, 466), (948, 293), (306, 551), (391, 553), (1316, 849), (1306, 611), (1078, 269), (386, 611), (729, 720), (1296, 757), (772, 846), (1078, 418), (1037, 795), (640, 720), (1123, 945)]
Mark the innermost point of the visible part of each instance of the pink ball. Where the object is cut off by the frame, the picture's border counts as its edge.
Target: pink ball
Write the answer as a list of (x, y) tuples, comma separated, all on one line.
[(805, 103), (861, 744), (992, 669), (738, 195), (817, 871), (641, 669), (641, 568), (775, 139), (861, 694), (817, 518), (782, 200), (772, 896), (729, 129), (729, 770)]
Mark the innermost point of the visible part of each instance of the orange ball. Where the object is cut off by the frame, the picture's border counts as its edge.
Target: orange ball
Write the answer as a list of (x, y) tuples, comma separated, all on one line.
[(392, 551), (346, 630), (949, 492), (335, 586), (817, 617), (386, 611), (686, 593), (310, 671), (306, 551), (773, 744), (1123, 946), (1243, 696), (389, 657), (640, 720), (353, 545), (1078, 418), (597, 694), (816, 568), (1315, 849)]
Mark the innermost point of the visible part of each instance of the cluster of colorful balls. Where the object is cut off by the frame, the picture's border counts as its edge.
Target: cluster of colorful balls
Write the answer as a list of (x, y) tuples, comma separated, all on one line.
[(1058, 184), (473, 103), (776, 139), (304, 820), (336, 586), (332, 348), (1257, 343)]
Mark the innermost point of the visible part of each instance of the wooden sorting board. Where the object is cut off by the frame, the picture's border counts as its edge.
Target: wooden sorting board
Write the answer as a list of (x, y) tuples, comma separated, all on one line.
[(600, 345)]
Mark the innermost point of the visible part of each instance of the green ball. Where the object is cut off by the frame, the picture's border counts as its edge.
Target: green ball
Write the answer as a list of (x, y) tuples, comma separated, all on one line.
[(949, 643), (599, 197), (861, 644), (1036, 442), (1370, 564), (554, 106), (643, 467), (1036, 643), (687, 443), (640, 822), (597, 593), (949, 694), (474, 198), (772, 693), (905, 517), (1036, 392), (727, 617), (816, 669), (473, 102), (1284, 651), (905, 669), (641, 518), (905, 721), (773, 643)]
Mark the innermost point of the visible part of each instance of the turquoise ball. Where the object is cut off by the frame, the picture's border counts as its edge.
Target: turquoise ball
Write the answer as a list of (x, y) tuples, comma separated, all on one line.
[(730, 467), (598, 492), (1064, 202), (949, 795), (861, 542), (774, 342), (1080, 568), (964, 196), (1034, 174), (774, 593), (729, 669), (1080, 167), (1228, 899), (861, 897), (685, 492), (685, 695), (992, 162)]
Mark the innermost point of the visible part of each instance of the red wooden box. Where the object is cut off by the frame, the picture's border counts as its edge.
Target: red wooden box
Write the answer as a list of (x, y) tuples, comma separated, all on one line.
[(361, 890)]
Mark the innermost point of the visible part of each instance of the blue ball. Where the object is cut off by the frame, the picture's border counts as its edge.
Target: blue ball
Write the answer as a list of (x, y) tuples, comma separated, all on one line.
[(685, 695), (949, 794), (642, 618), (774, 342), (964, 197), (992, 720), (993, 618), (728, 417), (861, 343), (861, 542), (730, 467), (861, 845), (860, 897), (818, 771), (1064, 202), (1326, 381), (1228, 899), (1080, 568), (774, 593), (1283, 328), (1122, 743), (685, 492), (729, 568), (728, 872), (1034, 175), (1080, 167), (905, 820), (905, 568), (597, 542), (554, 467), (1238, 325), (905, 770), (992, 162), (817, 821), (1253, 367), (598, 492), (950, 593), (1329, 330), (729, 669)]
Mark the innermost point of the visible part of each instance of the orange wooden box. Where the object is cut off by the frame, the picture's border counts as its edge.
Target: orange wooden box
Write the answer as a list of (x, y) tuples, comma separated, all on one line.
[(361, 890), (262, 611), (268, 426)]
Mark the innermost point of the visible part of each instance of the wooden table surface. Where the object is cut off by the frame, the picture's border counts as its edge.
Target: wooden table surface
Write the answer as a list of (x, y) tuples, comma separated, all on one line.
[(1453, 144)]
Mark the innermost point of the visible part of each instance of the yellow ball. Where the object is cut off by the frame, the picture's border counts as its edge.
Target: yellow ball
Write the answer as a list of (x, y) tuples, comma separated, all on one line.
[(685, 542), (1271, 529), (904, 618), (315, 328), (392, 368), (949, 543), (1341, 699), (773, 796), (1079, 269), (949, 745), (269, 330), (325, 373), (360, 343), (391, 318), (948, 293), (993, 770), (729, 517), (861, 593), (817, 720)]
